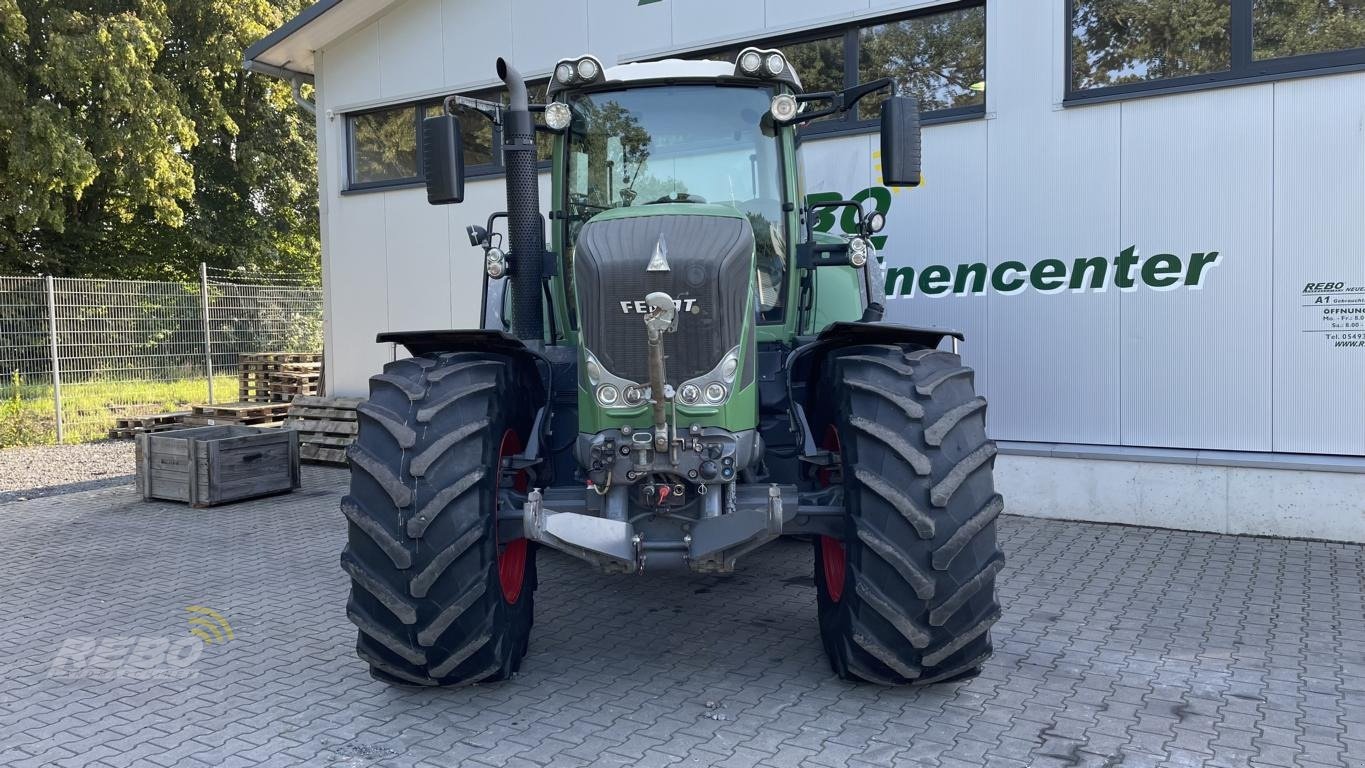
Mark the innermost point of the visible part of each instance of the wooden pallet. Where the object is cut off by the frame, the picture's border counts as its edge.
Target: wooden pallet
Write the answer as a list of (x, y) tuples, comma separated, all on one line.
[(129, 426), (326, 427), (246, 413), (278, 377), (280, 357), (122, 433)]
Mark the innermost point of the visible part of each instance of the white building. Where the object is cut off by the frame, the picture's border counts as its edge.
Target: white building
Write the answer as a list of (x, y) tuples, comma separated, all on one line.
[(1220, 386)]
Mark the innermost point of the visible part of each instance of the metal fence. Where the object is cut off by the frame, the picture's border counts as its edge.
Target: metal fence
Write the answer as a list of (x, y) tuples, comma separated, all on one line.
[(78, 353)]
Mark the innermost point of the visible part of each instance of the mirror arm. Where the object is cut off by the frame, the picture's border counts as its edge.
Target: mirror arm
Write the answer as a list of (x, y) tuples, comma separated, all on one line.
[(851, 96), (490, 109), (841, 101)]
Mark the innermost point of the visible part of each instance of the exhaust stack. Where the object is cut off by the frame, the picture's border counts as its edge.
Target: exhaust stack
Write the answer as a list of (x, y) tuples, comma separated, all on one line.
[(525, 227)]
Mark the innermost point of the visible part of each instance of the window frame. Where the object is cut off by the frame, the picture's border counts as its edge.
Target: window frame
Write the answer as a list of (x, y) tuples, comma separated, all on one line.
[(848, 123), (360, 186), (1244, 68), (472, 172)]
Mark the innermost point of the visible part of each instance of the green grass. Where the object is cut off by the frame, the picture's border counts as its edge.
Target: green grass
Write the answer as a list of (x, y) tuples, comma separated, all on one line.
[(89, 409)]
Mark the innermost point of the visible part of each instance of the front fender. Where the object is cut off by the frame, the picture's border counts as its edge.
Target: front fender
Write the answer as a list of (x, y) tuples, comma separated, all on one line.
[(531, 365), (806, 361)]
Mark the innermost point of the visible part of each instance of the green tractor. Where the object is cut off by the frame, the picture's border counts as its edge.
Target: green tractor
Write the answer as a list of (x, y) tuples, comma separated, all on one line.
[(688, 372)]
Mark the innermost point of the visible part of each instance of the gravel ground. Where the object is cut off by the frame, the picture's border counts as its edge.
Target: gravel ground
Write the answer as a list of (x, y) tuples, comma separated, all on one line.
[(49, 470)]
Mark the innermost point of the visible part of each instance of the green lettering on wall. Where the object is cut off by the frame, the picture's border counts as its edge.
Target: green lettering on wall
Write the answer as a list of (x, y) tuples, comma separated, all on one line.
[(1013, 285), (1048, 275), (976, 273), (1098, 268), (1162, 270), (900, 281), (935, 280)]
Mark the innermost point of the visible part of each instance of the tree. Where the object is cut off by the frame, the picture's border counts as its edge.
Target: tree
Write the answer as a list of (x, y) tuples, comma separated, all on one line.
[(132, 144)]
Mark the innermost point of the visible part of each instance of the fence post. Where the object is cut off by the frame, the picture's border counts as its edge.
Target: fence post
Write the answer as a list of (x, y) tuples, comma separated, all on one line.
[(208, 342), (56, 366)]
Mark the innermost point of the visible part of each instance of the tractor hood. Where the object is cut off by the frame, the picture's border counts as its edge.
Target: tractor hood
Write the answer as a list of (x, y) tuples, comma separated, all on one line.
[(700, 255)]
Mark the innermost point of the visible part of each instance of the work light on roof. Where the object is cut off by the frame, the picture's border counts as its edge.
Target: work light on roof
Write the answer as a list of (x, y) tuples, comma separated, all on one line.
[(750, 61), (765, 64), (579, 71)]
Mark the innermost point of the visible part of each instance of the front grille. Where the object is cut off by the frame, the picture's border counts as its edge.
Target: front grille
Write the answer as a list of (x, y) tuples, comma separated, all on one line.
[(711, 262)]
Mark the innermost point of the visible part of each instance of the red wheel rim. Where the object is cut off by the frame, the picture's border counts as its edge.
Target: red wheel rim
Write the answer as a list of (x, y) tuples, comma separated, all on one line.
[(511, 558), (832, 557)]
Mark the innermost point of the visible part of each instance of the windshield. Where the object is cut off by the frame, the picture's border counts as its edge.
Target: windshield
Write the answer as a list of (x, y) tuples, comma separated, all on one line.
[(682, 144)]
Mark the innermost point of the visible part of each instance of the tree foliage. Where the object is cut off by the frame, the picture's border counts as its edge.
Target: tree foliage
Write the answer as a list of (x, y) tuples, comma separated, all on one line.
[(132, 144)]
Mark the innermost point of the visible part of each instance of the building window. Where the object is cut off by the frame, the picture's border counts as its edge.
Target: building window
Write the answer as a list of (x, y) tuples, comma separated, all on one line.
[(1285, 28), (383, 147), (1130, 46), (385, 143), (940, 59), (936, 55)]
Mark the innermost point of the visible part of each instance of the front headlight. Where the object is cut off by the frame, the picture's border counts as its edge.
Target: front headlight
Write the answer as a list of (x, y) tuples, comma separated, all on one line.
[(715, 393), (713, 387), (607, 395)]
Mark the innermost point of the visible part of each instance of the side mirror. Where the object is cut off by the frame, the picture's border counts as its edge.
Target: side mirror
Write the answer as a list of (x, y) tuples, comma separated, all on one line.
[(443, 159), (900, 142)]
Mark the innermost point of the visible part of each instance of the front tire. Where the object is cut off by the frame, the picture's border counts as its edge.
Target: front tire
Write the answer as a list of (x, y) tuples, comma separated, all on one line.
[(437, 599), (907, 593)]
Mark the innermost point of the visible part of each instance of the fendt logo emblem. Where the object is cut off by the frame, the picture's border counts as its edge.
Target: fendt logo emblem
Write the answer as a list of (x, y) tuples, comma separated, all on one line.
[(659, 261), (642, 307)]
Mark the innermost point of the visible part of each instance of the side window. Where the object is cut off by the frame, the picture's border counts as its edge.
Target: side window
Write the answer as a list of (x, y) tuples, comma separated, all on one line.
[(1129, 46), (1117, 42), (476, 131), (383, 147), (936, 55), (385, 144), (940, 59), (1286, 28)]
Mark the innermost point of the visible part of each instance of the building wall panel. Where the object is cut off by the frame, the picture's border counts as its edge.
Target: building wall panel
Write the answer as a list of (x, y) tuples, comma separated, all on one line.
[(1053, 360), (359, 274), (619, 27), (544, 31), (352, 65), (411, 53), (474, 36), (703, 21), (417, 239), (1196, 178), (1319, 183)]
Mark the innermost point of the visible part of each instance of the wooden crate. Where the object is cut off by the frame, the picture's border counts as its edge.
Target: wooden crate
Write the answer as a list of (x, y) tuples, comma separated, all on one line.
[(217, 465), (326, 427)]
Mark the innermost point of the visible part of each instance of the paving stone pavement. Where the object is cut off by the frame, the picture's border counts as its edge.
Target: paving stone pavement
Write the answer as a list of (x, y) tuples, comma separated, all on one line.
[(1118, 646)]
